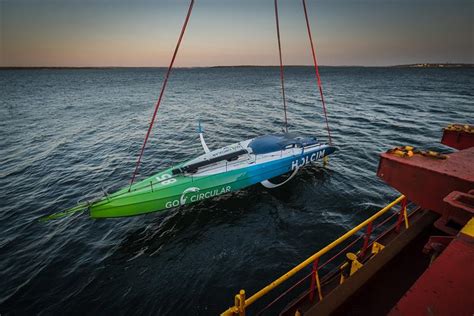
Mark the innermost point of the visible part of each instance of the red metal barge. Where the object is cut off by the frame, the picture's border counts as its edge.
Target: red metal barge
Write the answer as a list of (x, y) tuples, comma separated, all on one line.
[(413, 257)]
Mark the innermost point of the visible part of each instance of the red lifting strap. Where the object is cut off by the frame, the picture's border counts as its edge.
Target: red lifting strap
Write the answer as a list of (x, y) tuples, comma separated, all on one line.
[(316, 69), (162, 92), (282, 78)]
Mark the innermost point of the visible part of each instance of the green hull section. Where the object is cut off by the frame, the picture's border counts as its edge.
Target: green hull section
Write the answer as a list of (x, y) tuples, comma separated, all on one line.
[(153, 195)]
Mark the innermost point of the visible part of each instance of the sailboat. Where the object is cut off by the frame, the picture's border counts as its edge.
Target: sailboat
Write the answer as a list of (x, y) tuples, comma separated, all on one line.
[(214, 173)]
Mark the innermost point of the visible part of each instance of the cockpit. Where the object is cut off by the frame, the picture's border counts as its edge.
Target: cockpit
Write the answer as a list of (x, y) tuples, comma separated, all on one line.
[(277, 142)]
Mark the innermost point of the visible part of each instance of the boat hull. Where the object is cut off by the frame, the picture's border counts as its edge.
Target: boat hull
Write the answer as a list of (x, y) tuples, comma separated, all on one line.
[(165, 191)]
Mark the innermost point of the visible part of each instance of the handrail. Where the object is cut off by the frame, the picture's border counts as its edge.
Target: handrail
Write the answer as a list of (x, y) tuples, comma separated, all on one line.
[(247, 302), (337, 269)]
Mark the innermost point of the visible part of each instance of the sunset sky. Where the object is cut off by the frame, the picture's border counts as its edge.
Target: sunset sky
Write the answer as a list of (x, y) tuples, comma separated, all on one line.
[(234, 32)]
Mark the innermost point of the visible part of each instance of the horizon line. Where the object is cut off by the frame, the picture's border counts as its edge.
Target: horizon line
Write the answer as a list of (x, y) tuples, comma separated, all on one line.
[(423, 64)]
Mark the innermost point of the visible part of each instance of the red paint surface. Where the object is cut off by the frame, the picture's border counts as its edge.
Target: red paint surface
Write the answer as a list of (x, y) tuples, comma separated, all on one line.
[(427, 181), (458, 139), (446, 287)]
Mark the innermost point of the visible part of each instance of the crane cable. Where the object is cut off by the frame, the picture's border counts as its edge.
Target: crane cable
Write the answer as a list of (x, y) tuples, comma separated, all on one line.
[(282, 77), (161, 93), (183, 29), (316, 69)]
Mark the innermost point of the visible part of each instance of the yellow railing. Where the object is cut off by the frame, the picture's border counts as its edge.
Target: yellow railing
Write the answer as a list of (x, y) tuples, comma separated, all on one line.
[(241, 303)]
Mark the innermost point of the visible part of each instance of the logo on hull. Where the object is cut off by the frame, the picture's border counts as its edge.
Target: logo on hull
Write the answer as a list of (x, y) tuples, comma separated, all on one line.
[(192, 194), (307, 159), (183, 198)]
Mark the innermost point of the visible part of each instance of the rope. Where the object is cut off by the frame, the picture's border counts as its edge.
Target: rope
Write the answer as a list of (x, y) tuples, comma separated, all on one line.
[(316, 69), (282, 77), (162, 92)]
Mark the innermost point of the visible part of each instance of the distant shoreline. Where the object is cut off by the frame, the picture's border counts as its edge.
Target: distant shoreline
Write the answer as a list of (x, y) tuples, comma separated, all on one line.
[(431, 65), (419, 65)]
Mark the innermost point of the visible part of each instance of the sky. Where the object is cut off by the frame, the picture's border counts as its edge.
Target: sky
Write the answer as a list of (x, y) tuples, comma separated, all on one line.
[(234, 32)]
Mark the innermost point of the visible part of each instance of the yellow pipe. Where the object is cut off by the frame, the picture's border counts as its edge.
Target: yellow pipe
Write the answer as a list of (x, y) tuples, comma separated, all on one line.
[(236, 303), (405, 215), (318, 254), (318, 285), (242, 303)]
